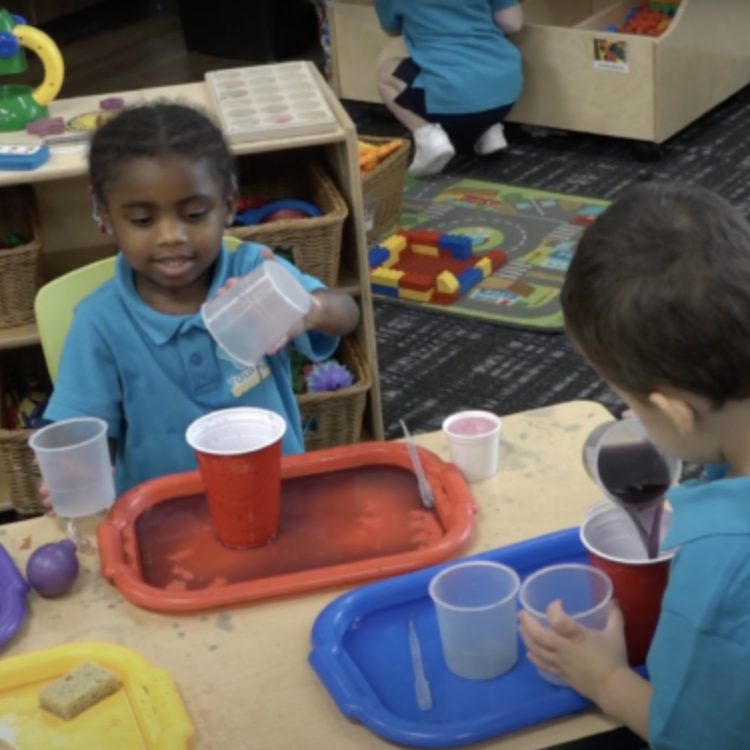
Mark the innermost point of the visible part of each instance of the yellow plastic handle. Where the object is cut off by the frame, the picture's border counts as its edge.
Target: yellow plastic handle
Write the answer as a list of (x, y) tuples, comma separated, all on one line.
[(54, 68)]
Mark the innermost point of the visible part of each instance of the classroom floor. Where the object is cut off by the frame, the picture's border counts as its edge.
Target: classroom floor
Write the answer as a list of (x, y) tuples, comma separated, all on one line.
[(430, 363)]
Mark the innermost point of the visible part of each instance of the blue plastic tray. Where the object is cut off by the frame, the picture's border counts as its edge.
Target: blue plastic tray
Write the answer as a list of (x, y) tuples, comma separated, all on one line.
[(13, 592), (361, 654)]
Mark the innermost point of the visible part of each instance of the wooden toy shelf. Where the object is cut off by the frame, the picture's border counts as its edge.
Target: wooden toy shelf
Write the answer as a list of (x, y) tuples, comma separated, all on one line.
[(72, 240), (663, 85)]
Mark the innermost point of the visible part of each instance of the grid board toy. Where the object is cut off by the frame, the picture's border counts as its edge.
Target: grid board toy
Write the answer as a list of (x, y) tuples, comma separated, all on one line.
[(269, 101)]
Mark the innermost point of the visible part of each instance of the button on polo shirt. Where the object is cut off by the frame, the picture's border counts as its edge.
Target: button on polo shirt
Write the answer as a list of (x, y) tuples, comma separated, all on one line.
[(150, 375)]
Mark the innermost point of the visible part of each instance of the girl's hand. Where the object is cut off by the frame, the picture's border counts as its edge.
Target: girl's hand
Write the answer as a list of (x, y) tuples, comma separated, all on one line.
[(265, 252), (586, 659), (46, 500)]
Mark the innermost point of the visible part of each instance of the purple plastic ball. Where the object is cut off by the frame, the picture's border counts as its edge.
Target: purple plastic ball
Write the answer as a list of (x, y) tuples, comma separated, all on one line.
[(53, 568)]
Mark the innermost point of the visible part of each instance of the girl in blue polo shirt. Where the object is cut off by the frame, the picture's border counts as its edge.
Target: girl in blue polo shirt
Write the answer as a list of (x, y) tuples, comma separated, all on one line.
[(138, 354), (461, 79)]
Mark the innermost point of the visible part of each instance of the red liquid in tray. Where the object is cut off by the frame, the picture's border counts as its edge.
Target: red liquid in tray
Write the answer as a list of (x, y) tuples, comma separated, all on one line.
[(329, 519), (469, 426)]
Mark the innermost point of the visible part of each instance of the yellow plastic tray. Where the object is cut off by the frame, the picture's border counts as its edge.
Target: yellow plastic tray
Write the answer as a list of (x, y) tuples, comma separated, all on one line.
[(147, 714)]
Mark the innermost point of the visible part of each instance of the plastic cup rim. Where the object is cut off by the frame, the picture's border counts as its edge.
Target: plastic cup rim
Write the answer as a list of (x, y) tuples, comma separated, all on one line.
[(190, 435), (103, 427), (448, 421), (665, 556), (567, 566), (477, 564)]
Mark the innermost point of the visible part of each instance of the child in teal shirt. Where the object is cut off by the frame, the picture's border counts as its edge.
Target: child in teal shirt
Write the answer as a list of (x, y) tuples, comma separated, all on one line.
[(461, 79), (657, 299)]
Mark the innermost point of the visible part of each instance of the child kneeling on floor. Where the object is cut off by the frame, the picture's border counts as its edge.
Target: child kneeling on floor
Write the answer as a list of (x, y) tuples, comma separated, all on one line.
[(138, 354), (657, 298), (461, 79)]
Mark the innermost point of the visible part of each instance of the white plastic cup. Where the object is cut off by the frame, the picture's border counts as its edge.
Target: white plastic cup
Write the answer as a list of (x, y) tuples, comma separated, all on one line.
[(74, 460), (474, 443), (476, 610), (584, 592), (256, 313)]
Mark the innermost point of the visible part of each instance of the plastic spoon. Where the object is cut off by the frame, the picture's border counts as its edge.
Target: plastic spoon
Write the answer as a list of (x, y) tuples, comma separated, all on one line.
[(421, 686), (425, 491)]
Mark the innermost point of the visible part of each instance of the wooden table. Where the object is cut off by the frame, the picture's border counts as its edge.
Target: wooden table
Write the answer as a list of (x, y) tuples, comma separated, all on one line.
[(243, 673)]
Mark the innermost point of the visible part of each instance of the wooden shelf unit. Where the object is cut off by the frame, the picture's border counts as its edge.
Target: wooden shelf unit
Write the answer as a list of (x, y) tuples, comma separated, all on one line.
[(670, 81), (72, 240)]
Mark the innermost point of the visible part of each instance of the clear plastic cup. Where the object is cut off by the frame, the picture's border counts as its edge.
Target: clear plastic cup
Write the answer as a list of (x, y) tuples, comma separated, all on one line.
[(74, 460), (620, 455), (473, 439), (257, 312), (239, 456), (584, 592), (476, 610)]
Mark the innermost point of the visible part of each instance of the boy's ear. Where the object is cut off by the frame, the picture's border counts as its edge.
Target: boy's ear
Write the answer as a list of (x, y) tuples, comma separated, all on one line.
[(231, 209), (680, 411)]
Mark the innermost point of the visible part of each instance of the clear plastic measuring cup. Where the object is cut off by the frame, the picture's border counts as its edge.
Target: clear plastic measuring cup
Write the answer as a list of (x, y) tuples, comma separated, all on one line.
[(626, 465), (476, 610), (583, 591), (257, 312), (74, 460)]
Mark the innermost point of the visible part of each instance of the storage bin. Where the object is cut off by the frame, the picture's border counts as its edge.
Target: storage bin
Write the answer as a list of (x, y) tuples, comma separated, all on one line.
[(314, 243), (20, 267)]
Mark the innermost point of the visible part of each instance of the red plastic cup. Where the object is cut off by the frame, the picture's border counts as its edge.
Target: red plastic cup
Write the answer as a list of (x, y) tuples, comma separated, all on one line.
[(239, 457), (616, 548)]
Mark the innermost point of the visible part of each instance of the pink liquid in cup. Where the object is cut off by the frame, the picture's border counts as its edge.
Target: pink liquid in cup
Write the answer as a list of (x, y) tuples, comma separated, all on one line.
[(469, 426)]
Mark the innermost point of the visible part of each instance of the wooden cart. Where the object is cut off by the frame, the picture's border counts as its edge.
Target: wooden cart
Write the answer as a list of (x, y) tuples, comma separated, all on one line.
[(653, 89)]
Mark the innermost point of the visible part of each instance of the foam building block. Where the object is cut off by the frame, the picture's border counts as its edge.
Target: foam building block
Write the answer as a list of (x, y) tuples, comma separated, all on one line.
[(469, 278), (386, 276), (447, 283), (461, 248), (377, 256), (485, 266), (416, 282)]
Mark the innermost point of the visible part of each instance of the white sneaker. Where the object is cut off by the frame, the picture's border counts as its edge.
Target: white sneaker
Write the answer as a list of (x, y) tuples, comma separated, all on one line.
[(492, 141), (433, 151)]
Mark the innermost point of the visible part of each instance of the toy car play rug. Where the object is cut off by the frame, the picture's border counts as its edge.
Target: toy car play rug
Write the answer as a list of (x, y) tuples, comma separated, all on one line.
[(537, 231)]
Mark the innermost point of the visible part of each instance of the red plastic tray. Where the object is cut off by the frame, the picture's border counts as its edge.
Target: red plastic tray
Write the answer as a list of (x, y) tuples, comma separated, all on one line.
[(348, 515)]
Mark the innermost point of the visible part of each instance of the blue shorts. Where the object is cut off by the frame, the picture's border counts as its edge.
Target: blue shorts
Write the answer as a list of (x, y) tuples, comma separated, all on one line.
[(464, 129)]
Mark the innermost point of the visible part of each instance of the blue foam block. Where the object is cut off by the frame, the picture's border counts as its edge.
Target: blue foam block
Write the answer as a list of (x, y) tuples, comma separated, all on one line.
[(377, 256), (469, 278), (386, 291), (461, 248)]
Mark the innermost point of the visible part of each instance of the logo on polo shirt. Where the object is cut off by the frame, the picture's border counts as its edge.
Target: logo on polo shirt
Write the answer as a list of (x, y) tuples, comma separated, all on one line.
[(247, 376)]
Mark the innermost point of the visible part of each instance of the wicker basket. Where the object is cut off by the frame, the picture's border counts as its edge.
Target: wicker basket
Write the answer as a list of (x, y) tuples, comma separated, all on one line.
[(383, 188), (19, 267), (337, 415), (315, 243), (17, 466)]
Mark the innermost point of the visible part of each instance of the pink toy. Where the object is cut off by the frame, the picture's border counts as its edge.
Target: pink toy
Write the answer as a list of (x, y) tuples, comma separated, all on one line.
[(112, 103), (46, 126)]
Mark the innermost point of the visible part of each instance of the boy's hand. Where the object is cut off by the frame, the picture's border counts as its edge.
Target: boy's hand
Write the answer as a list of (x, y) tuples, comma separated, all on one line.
[(307, 323), (586, 659), (46, 500)]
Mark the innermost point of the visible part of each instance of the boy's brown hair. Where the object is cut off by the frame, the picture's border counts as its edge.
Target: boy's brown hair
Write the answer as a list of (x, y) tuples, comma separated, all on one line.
[(658, 293)]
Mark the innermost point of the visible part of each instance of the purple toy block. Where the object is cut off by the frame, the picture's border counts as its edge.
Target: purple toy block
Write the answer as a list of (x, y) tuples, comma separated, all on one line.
[(46, 126), (113, 102)]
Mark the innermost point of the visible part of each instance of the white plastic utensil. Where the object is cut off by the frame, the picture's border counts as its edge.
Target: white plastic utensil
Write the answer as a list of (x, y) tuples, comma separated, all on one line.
[(425, 491), (421, 686)]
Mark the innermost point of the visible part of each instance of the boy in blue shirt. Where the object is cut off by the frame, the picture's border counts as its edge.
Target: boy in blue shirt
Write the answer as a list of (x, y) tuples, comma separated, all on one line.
[(657, 298), (462, 77), (138, 354)]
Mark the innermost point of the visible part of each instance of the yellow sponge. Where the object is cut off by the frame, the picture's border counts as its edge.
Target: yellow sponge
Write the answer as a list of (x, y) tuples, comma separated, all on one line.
[(425, 250), (415, 296), (78, 690)]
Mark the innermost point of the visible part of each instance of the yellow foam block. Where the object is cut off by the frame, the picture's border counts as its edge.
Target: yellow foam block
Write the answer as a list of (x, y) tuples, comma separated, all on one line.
[(396, 243), (447, 283), (386, 276), (410, 294), (425, 250), (485, 266)]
